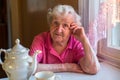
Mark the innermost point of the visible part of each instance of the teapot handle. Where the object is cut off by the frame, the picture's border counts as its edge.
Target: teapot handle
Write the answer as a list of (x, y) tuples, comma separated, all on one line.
[(1, 50)]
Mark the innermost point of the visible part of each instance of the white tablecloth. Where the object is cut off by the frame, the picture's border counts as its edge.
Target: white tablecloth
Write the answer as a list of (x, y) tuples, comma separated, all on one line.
[(106, 72)]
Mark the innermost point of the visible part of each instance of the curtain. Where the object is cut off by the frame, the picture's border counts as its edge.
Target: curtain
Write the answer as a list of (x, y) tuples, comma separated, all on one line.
[(99, 15)]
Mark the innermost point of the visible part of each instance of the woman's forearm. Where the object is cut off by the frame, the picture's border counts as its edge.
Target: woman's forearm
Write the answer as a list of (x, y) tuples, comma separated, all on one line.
[(50, 67), (89, 63), (65, 67)]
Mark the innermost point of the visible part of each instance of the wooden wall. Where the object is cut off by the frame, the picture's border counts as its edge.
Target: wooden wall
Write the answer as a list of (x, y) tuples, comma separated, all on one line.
[(3, 32)]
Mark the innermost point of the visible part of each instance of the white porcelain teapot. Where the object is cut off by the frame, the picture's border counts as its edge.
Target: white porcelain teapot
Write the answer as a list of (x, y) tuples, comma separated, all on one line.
[(18, 65)]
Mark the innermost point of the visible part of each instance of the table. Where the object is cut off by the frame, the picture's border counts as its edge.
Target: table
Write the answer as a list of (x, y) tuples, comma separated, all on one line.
[(107, 72)]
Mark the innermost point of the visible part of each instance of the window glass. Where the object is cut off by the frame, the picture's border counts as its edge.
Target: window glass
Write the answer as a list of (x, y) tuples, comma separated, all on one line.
[(114, 31)]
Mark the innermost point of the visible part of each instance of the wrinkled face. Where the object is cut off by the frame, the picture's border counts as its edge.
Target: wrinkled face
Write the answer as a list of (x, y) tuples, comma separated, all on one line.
[(60, 28)]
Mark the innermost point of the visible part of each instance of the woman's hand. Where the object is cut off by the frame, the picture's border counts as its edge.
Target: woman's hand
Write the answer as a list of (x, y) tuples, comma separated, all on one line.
[(78, 31), (72, 67)]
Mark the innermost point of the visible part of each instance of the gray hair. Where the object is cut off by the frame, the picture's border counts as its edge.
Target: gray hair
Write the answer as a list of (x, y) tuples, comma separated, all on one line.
[(60, 10)]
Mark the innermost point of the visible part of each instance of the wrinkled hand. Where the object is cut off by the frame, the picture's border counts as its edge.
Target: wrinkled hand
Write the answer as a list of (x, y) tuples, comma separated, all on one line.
[(78, 31), (72, 67)]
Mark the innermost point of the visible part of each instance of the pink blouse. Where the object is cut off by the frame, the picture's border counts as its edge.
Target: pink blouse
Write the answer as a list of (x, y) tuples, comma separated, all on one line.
[(73, 52)]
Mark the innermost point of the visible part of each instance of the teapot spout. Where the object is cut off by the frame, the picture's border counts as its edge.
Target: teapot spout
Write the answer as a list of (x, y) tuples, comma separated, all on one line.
[(34, 63), (35, 59)]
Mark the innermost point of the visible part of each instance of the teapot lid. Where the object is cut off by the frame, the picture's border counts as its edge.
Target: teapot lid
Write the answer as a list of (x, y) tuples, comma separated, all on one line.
[(18, 47)]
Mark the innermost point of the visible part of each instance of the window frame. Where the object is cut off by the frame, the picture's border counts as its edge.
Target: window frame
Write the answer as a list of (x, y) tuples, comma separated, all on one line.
[(108, 54)]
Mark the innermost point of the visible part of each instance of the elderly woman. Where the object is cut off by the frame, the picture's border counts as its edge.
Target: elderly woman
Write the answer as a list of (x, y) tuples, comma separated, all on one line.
[(65, 47)]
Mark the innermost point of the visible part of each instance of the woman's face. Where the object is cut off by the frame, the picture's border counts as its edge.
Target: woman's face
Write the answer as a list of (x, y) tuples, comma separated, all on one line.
[(60, 28)]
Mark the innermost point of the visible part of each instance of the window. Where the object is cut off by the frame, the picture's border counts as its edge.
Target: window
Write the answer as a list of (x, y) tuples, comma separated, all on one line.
[(109, 47), (113, 32), (101, 19)]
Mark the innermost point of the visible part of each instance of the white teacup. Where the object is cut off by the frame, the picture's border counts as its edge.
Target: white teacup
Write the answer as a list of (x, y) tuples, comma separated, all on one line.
[(45, 75)]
